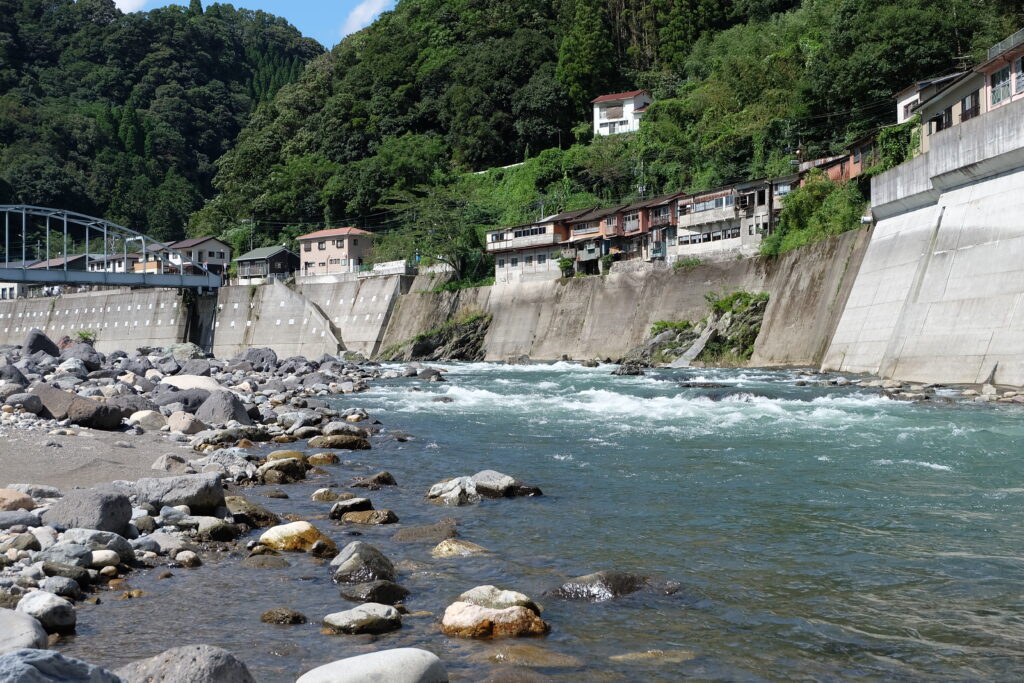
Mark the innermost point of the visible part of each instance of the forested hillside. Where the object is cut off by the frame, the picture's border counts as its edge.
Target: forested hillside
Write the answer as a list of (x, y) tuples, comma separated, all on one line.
[(123, 115), (439, 87)]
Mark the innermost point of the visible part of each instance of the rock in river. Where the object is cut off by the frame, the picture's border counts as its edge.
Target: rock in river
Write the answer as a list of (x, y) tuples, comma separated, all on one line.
[(297, 536), (370, 517), (497, 598), (360, 562), (458, 491), (601, 586), (384, 592), (402, 665), (248, 512), (368, 618), (346, 441), (466, 620), (454, 547), (282, 615), (192, 663)]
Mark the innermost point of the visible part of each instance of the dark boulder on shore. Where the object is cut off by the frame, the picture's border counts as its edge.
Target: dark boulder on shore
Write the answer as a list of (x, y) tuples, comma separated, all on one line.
[(200, 492), (36, 341), (222, 407), (90, 357), (98, 508)]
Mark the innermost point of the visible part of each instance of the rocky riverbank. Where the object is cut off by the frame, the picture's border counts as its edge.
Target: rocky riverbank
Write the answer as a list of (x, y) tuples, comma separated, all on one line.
[(210, 429)]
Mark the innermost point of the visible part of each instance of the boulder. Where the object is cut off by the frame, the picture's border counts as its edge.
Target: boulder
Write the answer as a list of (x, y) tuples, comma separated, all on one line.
[(90, 357), (17, 518), (187, 400), (54, 613), (466, 620), (15, 500), (427, 533), (601, 586), (73, 554), (248, 512), (261, 359), (184, 352), (12, 375), (223, 407), (173, 463), (94, 415), (37, 490), (35, 341), (370, 517), (402, 665), (324, 496), (383, 592), (129, 405), (191, 664), (360, 562), (369, 618), (454, 547), (375, 481), (55, 401), (94, 539), (19, 630), (62, 586), (458, 491), (40, 666), (105, 509), (199, 367), (297, 536), (183, 422), (148, 419), (79, 575), (202, 493), (283, 616), (338, 441), (28, 402), (285, 471), (74, 367), (493, 484), (351, 505), (497, 598)]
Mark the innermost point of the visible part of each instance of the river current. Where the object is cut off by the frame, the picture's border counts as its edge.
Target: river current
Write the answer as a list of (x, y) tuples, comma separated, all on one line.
[(819, 532)]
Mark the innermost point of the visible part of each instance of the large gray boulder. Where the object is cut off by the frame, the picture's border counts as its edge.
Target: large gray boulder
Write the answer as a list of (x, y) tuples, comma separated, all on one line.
[(99, 508), (92, 358), (70, 554), (360, 562), (43, 666), (19, 630), (184, 352), (202, 493), (54, 613), (36, 341), (95, 415), (261, 359), (223, 407), (189, 664), (30, 402), (17, 518), (12, 375), (94, 539), (401, 665), (190, 399)]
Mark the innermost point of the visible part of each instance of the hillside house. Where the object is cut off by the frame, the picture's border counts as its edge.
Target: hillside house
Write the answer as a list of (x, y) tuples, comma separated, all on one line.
[(209, 252), (619, 112), (266, 263), (591, 235), (336, 250), (530, 251)]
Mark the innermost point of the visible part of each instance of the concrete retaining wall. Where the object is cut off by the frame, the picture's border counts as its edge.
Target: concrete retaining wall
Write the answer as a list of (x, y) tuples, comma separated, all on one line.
[(121, 319)]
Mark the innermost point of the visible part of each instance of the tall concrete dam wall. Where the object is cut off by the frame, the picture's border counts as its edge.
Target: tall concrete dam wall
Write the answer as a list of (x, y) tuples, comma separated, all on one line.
[(940, 294)]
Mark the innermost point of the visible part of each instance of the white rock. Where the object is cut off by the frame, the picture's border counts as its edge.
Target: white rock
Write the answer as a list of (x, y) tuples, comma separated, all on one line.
[(183, 382), (148, 419), (402, 665), (19, 630), (370, 617), (104, 558), (54, 613)]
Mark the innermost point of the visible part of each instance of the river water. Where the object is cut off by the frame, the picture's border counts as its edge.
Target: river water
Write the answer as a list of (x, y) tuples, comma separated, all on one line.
[(820, 532)]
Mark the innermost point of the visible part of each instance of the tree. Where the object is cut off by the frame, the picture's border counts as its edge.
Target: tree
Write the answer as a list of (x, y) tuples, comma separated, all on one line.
[(585, 67)]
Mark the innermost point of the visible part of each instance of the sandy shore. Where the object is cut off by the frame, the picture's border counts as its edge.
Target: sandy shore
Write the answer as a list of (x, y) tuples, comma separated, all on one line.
[(88, 458)]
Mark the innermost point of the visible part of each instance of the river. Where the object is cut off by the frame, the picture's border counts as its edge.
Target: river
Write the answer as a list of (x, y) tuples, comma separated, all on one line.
[(821, 532)]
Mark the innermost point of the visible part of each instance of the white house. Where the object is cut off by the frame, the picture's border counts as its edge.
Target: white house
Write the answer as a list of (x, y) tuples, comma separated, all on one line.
[(620, 112)]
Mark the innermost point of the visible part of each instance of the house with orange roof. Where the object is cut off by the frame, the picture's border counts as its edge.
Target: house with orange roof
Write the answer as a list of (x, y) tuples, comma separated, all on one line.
[(619, 112), (335, 250)]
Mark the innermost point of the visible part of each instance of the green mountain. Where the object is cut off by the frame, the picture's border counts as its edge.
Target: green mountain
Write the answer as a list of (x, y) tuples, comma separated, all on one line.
[(123, 115)]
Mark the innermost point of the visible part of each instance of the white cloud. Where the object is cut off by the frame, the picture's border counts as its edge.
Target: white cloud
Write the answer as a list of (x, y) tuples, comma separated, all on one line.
[(130, 5), (363, 14)]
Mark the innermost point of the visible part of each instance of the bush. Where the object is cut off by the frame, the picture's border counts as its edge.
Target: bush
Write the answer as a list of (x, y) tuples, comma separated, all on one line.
[(673, 325), (817, 210), (467, 283), (737, 302), (686, 263), (86, 336), (606, 262), (566, 265)]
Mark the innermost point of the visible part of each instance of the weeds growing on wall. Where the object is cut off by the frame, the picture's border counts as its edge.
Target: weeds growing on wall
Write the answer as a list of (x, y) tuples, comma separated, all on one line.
[(818, 210)]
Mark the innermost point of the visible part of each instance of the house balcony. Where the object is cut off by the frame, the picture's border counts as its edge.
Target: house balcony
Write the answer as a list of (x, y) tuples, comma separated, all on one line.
[(691, 220), (526, 242), (659, 221)]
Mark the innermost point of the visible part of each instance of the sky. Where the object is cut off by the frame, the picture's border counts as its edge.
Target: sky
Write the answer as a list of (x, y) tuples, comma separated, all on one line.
[(328, 21)]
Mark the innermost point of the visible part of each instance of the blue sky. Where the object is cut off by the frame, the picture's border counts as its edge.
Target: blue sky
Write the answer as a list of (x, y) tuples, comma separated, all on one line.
[(326, 20)]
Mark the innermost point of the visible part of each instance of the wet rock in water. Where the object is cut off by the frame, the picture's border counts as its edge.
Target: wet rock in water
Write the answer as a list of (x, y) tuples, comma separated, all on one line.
[(401, 665), (339, 509), (384, 592), (54, 613), (428, 533), (276, 493), (466, 620), (522, 654), (37, 666), (497, 598), (340, 441), (265, 562), (297, 536), (458, 491), (281, 471), (374, 481), (192, 663), (187, 558), (324, 496), (282, 615), (601, 586), (322, 459), (105, 509), (19, 630), (11, 500), (286, 455), (370, 517), (369, 618), (491, 484), (248, 512), (628, 370), (200, 492), (454, 547), (360, 562), (666, 656)]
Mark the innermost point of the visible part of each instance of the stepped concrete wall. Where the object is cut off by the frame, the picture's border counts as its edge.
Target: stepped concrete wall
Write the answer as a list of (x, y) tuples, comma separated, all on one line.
[(940, 294), (120, 318)]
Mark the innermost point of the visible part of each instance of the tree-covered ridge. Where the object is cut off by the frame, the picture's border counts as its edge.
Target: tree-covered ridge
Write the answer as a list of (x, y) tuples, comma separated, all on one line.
[(123, 115), (438, 88)]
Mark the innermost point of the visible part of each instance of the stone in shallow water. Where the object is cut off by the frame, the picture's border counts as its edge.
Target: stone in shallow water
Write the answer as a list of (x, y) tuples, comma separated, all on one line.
[(497, 598), (360, 562), (265, 562), (430, 533), (522, 654), (282, 615), (297, 536), (368, 618), (465, 620), (370, 517), (54, 613), (401, 665), (192, 663), (383, 592), (664, 656), (601, 586), (454, 547)]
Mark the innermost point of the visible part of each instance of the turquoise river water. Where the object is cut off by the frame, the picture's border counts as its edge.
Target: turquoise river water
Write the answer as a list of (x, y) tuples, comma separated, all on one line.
[(815, 532)]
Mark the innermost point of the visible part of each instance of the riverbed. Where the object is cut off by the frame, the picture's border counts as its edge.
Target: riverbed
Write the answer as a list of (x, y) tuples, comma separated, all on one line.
[(824, 532)]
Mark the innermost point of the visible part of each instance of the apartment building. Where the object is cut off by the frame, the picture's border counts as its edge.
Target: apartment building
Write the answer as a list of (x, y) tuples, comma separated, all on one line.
[(335, 250)]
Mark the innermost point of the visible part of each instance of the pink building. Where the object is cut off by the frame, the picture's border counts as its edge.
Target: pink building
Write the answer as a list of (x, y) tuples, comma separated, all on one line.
[(337, 250)]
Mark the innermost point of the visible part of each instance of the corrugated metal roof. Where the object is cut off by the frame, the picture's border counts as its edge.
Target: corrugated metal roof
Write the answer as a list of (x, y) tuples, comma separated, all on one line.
[(263, 253)]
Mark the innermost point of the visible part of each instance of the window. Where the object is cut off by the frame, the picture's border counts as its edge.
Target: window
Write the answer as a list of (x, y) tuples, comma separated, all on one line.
[(1018, 69), (782, 189), (497, 237), (717, 203), (355, 242), (344, 261), (942, 121), (334, 261), (526, 232), (321, 245), (321, 264), (541, 258), (340, 244), (308, 246), (528, 261), (221, 254), (501, 263), (970, 106), (1000, 85), (515, 261)]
